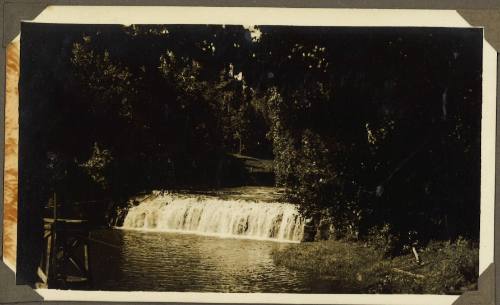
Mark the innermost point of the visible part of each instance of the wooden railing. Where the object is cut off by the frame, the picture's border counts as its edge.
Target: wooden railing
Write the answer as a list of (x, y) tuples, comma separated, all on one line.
[(65, 262)]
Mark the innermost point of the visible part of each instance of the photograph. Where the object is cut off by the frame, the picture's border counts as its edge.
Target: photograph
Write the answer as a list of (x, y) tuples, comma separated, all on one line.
[(250, 158)]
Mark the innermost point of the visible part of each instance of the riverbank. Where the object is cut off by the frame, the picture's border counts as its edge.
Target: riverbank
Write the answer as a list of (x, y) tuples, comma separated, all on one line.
[(444, 267)]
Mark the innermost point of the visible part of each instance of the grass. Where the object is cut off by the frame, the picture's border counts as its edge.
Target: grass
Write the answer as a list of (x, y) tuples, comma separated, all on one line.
[(353, 267)]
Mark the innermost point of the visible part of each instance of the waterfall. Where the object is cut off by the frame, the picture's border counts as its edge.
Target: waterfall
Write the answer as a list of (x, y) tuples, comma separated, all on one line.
[(203, 215)]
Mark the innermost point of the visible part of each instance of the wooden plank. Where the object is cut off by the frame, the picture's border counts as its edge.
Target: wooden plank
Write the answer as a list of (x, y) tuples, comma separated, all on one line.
[(420, 276), (72, 260), (86, 257), (41, 275), (75, 279), (48, 256), (65, 220), (52, 259), (46, 234)]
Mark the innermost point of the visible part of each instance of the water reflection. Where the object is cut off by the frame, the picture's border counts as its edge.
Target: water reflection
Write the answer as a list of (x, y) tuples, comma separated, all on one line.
[(161, 261)]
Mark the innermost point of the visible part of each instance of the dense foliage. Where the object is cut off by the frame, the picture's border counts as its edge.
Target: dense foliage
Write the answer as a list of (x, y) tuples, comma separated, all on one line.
[(380, 138), (374, 133)]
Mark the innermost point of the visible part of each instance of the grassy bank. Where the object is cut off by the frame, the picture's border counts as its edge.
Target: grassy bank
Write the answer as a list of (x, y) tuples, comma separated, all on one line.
[(444, 267)]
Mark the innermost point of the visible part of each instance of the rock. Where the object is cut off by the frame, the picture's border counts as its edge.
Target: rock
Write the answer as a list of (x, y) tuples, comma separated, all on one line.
[(309, 230), (325, 229), (359, 277)]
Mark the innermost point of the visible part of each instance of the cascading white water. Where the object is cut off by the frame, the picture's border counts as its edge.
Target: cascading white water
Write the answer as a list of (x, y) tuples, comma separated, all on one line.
[(217, 217)]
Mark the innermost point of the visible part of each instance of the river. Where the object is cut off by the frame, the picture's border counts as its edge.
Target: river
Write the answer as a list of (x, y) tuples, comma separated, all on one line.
[(160, 261), (218, 242)]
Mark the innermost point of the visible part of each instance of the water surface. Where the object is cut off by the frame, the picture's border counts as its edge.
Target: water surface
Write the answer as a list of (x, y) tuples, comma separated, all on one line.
[(160, 261)]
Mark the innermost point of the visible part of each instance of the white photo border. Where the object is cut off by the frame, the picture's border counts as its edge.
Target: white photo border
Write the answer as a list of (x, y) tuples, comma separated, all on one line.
[(298, 17)]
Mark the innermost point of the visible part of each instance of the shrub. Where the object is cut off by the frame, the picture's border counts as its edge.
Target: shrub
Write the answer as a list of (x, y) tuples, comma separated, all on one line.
[(455, 267), (382, 239)]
